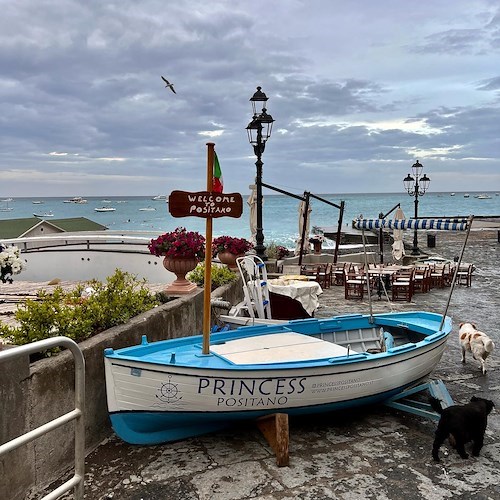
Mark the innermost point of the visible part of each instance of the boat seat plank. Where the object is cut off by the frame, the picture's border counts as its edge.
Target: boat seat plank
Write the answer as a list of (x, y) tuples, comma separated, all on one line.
[(277, 348)]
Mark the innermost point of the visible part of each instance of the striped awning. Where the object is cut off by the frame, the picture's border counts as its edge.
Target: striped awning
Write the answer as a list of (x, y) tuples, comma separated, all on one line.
[(429, 224)]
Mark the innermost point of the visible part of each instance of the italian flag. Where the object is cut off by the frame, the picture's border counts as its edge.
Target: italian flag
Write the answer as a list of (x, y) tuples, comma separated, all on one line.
[(217, 181)]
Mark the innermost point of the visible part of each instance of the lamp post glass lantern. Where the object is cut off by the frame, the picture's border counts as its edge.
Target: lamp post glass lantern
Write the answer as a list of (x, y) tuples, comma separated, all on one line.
[(259, 131), (416, 186)]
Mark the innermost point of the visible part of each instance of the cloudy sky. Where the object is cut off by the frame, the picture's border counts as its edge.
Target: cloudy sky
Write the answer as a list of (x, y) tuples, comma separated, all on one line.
[(359, 90)]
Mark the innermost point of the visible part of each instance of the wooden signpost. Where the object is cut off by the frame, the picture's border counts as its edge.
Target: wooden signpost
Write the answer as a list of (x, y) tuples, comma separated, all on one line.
[(211, 205), (208, 205)]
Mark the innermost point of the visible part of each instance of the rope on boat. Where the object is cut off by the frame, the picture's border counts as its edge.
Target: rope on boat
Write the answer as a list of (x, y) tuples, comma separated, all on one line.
[(457, 268), (367, 275), (220, 304)]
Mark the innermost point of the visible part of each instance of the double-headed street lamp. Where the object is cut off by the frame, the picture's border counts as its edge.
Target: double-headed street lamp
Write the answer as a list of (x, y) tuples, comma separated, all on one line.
[(259, 131), (416, 186)]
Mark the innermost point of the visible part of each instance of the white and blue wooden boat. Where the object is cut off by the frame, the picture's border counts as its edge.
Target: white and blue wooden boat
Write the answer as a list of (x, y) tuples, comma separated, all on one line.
[(169, 390)]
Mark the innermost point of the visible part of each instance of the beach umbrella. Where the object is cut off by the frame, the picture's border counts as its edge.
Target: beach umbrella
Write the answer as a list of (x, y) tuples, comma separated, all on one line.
[(302, 210), (252, 203), (398, 248)]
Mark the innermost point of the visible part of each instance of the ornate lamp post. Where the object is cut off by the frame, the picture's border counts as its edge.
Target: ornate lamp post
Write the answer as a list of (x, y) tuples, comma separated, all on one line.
[(259, 131), (416, 186)]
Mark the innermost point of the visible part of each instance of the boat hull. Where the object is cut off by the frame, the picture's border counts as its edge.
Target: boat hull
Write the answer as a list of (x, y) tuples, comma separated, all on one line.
[(153, 400)]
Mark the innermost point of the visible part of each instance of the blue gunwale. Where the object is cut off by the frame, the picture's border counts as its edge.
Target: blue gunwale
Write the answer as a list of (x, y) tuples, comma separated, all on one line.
[(187, 350)]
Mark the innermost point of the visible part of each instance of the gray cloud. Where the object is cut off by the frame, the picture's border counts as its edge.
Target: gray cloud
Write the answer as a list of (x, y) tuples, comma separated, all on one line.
[(358, 91)]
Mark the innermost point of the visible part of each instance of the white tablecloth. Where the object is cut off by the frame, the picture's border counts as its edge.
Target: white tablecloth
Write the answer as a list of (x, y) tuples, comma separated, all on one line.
[(306, 292)]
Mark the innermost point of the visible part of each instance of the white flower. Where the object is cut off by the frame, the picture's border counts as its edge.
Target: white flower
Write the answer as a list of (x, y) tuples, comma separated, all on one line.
[(10, 262)]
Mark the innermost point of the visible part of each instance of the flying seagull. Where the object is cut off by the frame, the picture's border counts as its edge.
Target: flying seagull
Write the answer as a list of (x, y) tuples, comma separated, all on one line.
[(169, 85)]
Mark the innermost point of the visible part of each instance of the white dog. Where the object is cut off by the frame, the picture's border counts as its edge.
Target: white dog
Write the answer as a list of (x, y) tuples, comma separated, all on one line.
[(478, 343)]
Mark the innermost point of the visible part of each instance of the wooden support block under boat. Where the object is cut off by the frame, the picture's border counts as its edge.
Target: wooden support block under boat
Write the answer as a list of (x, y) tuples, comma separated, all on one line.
[(275, 429)]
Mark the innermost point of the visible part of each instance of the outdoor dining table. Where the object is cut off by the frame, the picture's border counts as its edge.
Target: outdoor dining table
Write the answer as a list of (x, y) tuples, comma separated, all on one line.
[(383, 275), (304, 292)]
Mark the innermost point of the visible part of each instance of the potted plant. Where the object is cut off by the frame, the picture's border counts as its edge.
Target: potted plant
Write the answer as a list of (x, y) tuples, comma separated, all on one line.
[(181, 251), (10, 263), (317, 240), (228, 249)]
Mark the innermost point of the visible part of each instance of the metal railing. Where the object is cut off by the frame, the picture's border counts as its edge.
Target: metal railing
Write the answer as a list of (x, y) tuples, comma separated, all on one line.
[(77, 414)]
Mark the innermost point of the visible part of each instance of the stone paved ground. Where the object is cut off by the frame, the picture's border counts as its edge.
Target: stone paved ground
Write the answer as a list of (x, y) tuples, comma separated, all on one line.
[(371, 453)]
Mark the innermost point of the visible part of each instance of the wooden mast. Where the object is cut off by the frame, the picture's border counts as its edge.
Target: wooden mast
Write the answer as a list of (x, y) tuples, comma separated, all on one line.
[(208, 255)]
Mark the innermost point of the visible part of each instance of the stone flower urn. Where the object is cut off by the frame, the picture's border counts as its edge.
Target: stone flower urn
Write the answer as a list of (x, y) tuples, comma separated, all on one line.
[(180, 266), (229, 259)]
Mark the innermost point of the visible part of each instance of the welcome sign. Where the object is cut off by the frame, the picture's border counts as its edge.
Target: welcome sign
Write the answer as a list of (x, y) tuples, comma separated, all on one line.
[(205, 204)]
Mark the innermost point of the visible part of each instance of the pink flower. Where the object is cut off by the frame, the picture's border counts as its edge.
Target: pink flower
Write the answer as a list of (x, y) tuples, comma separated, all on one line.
[(236, 246), (179, 243)]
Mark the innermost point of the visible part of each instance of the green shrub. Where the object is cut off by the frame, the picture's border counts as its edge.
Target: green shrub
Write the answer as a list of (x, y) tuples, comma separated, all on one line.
[(275, 251), (78, 314), (221, 275)]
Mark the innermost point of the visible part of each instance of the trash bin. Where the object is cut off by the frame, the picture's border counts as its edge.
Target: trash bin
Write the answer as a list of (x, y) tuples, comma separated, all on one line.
[(431, 240)]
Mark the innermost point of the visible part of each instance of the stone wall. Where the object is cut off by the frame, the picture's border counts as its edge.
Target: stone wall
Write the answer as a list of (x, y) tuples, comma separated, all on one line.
[(32, 395)]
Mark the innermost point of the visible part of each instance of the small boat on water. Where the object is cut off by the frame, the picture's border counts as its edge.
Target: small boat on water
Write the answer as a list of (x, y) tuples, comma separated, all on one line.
[(169, 390), (105, 209), (483, 196), (452, 194), (147, 209), (5, 207), (37, 202), (159, 197), (466, 195), (77, 199), (44, 215)]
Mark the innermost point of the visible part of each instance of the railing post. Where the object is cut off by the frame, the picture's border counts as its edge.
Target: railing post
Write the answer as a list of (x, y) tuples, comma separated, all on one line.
[(77, 481)]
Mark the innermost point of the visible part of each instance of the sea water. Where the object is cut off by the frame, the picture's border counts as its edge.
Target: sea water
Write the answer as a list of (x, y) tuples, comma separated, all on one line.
[(280, 212)]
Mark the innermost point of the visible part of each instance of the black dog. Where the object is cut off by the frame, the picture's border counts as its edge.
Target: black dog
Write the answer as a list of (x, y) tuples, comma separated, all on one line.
[(462, 423)]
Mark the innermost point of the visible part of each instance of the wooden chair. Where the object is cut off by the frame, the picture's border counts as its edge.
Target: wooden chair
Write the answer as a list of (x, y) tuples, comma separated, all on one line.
[(324, 275), (422, 279), (403, 283), (448, 274), (338, 273), (309, 270), (464, 274), (437, 276), (354, 285)]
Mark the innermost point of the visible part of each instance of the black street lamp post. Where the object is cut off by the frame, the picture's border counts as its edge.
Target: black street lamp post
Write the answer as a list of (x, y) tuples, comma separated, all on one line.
[(416, 186), (259, 131)]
